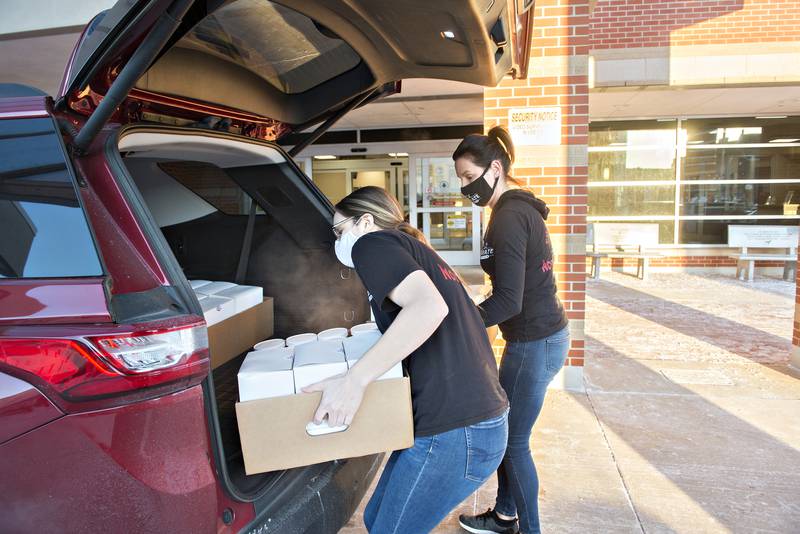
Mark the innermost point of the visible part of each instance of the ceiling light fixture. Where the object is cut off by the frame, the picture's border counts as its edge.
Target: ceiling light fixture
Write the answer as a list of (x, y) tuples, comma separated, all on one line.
[(325, 156)]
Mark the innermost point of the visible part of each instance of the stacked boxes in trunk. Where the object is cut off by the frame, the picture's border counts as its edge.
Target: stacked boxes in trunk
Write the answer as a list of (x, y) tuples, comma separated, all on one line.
[(237, 317)]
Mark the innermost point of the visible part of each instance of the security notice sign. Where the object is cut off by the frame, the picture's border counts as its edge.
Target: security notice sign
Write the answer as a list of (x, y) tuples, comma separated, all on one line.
[(535, 126)]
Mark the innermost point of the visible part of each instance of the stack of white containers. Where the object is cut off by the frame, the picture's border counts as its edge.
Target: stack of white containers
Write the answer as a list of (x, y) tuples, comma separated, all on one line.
[(222, 300), (276, 368)]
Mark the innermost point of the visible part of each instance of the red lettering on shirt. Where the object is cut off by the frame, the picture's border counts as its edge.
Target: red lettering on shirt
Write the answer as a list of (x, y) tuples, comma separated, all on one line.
[(448, 274)]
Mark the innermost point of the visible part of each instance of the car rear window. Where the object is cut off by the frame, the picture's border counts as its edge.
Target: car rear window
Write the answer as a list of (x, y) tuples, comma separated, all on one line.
[(212, 184), (44, 230), (283, 47)]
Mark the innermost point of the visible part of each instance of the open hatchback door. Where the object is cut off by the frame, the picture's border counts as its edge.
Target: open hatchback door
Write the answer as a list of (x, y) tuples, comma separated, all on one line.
[(267, 68)]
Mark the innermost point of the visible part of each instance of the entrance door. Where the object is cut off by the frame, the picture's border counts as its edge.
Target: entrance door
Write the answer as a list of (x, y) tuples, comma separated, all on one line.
[(449, 220), (339, 177)]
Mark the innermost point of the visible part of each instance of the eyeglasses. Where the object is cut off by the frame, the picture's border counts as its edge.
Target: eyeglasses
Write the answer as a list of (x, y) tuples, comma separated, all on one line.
[(337, 231)]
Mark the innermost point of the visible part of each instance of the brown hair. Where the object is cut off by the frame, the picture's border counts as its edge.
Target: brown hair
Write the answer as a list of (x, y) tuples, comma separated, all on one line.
[(484, 149), (384, 208)]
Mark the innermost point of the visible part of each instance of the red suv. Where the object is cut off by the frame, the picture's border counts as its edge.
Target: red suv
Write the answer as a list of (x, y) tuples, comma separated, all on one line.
[(158, 163)]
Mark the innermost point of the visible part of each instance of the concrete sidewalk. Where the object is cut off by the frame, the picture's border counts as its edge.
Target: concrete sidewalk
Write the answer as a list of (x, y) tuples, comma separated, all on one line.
[(691, 417)]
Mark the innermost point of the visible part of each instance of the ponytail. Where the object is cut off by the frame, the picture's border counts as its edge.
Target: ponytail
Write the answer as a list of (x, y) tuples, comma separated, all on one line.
[(416, 233), (384, 208), (484, 149)]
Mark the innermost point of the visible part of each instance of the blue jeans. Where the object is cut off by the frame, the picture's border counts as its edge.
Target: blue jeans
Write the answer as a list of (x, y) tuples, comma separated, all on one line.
[(525, 370), (420, 485)]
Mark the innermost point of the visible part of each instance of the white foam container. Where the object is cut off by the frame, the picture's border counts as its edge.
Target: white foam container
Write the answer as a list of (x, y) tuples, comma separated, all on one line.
[(332, 333), (356, 346), (280, 353), (299, 339), (214, 287), (263, 377), (317, 361), (198, 283), (216, 309), (364, 328), (244, 297), (270, 344)]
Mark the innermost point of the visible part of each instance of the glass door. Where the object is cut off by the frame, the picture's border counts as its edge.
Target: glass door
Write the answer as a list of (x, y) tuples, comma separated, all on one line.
[(449, 220)]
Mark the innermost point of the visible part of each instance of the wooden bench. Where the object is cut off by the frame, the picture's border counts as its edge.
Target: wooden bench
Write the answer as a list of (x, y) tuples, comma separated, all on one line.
[(622, 240), (747, 237)]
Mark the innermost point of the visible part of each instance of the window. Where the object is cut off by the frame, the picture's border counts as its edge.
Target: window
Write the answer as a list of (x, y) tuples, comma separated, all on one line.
[(741, 130), (212, 184), (632, 200), (715, 231), (44, 230), (701, 174), (283, 47), (732, 163), (638, 151), (734, 199)]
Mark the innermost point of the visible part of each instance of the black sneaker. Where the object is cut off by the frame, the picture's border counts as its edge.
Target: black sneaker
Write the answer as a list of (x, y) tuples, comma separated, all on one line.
[(488, 523)]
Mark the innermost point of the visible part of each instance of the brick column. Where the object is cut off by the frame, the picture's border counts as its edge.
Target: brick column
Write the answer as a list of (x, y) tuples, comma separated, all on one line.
[(557, 76)]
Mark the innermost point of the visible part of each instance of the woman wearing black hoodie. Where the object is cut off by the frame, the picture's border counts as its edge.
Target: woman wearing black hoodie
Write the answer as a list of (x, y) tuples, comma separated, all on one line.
[(518, 257)]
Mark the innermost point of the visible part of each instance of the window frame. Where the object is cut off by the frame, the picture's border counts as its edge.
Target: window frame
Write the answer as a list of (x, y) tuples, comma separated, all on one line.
[(681, 147)]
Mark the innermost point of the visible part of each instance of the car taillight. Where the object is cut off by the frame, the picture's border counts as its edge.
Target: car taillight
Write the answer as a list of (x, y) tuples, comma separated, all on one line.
[(109, 370)]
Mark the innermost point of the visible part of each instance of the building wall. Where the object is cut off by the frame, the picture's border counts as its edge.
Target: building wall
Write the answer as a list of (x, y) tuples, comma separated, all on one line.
[(694, 42), (557, 76), (649, 23)]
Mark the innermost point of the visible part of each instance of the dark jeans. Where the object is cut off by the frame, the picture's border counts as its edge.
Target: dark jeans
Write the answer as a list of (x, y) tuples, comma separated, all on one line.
[(525, 370), (420, 485)]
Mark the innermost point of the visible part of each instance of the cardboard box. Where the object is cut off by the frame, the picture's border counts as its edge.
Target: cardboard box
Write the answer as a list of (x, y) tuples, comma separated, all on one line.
[(235, 335), (316, 361), (265, 374), (273, 431)]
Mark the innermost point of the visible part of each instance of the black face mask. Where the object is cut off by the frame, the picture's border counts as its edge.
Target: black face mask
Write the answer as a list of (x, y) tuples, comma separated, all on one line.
[(479, 191)]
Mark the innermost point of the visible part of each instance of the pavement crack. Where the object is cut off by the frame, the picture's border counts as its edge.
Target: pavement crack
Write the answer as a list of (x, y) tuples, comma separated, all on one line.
[(616, 464)]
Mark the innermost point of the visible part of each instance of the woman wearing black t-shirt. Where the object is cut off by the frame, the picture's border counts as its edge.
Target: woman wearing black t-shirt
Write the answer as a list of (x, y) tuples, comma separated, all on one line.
[(429, 322), (518, 258)]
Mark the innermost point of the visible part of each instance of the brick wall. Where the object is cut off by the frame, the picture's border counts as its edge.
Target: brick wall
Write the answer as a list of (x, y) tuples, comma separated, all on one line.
[(654, 23), (557, 76)]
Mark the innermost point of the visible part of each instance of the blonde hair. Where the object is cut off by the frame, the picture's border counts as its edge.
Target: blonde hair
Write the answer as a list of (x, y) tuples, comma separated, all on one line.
[(384, 208)]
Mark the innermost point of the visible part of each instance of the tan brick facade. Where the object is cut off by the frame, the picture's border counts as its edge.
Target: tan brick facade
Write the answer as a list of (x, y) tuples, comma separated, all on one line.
[(557, 76), (651, 23)]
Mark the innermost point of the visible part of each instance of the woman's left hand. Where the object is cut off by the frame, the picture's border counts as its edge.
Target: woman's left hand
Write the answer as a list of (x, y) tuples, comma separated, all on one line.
[(341, 398)]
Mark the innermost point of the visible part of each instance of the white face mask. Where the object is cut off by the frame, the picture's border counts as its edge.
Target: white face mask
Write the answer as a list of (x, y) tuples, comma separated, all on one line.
[(344, 247)]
